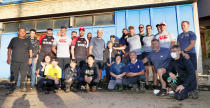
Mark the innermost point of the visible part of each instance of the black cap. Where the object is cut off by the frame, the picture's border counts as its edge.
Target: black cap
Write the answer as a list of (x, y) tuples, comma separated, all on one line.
[(49, 28)]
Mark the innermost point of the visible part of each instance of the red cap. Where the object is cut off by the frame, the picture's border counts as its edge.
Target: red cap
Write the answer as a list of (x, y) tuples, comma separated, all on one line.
[(163, 23), (82, 29)]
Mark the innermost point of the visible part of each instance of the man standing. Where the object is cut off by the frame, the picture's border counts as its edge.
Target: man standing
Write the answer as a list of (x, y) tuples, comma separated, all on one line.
[(35, 50), (61, 47), (158, 29), (89, 37), (166, 38), (19, 56), (79, 48), (141, 33), (96, 48), (45, 46), (73, 34), (186, 40)]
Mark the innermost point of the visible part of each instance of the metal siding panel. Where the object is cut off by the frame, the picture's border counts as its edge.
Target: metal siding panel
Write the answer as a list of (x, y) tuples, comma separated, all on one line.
[(144, 17), (120, 22), (5, 68), (185, 13), (132, 19), (166, 14)]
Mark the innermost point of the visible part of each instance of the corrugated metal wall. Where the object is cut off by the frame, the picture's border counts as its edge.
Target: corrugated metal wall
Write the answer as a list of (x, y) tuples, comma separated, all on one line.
[(172, 15)]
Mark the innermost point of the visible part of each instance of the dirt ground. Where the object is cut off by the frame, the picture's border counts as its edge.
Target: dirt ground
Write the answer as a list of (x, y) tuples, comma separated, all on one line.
[(101, 99)]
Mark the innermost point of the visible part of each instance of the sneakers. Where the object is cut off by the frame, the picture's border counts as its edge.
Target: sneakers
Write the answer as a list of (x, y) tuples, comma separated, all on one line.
[(93, 88), (162, 92), (142, 86), (194, 94), (67, 89), (24, 89), (87, 87)]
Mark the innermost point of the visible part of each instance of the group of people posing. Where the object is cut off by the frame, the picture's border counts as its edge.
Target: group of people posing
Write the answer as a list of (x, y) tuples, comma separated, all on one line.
[(76, 62)]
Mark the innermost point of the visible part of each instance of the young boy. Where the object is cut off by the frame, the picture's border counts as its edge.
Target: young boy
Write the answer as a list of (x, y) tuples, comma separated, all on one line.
[(91, 74), (53, 74), (71, 75)]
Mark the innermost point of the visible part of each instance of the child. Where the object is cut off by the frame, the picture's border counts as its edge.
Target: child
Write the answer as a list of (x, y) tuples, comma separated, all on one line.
[(91, 74), (117, 73), (53, 74), (71, 75)]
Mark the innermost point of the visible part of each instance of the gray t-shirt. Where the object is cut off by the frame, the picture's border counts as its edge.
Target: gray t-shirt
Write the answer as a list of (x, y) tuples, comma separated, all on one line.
[(63, 46), (98, 47), (165, 39), (147, 43), (134, 44)]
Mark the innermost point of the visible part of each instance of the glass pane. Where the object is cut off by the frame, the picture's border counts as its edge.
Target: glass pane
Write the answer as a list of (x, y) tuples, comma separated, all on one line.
[(62, 22), (27, 25), (44, 24), (11, 27), (104, 19), (83, 21)]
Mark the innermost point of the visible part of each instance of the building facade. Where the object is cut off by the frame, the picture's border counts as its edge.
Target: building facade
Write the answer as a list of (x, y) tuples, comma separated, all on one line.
[(109, 15)]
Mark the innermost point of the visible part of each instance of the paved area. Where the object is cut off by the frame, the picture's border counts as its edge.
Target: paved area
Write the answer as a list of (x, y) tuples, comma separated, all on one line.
[(102, 99)]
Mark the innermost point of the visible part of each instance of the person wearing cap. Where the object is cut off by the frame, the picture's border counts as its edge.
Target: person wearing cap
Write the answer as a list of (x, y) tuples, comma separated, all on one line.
[(96, 48), (61, 47), (45, 45), (158, 29), (166, 38), (79, 48)]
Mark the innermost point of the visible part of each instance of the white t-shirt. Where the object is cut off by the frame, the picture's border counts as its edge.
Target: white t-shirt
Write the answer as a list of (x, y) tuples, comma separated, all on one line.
[(134, 44), (147, 43), (63, 46), (165, 39)]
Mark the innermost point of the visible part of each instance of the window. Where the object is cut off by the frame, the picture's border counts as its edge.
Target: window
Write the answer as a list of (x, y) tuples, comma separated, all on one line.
[(104, 19), (27, 25), (83, 21), (44, 24), (11, 27), (61, 22)]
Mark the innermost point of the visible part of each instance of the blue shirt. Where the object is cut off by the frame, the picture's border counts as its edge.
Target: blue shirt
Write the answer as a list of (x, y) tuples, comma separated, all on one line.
[(184, 40), (117, 69), (135, 68), (160, 59), (123, 41)]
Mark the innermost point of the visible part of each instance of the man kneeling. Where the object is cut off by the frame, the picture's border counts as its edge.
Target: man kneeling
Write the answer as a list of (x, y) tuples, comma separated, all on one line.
[(53, 75), (181, 75), (135, 74)]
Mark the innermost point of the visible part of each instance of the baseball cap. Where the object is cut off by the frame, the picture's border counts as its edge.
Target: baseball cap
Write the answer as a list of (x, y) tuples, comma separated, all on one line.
[(82, 29), (162, 23), (49, 28)]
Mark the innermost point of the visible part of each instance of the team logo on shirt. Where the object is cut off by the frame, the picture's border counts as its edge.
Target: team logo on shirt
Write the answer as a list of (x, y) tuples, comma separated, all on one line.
[(163, 37), (63, 41)]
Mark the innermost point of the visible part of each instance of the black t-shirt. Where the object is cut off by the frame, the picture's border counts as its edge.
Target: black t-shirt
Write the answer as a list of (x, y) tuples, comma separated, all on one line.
[(20, 49), (91, 71), (46, 45), (81, 50)]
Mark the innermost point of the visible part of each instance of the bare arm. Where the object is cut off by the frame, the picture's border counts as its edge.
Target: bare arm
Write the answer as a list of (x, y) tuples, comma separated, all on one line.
[(9, 56), (72, 52), (192, 44), (54, 49), (90, 49), (132, 74), (120, 48)]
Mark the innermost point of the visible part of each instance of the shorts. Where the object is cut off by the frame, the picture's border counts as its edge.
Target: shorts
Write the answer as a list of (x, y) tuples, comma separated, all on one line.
[(193, 59), (100, 64), (144, 55)]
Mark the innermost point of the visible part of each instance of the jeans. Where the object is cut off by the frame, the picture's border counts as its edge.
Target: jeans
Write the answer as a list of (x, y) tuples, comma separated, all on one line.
[(133, 80), (113, 83), (62, 62), (33, 72)]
